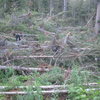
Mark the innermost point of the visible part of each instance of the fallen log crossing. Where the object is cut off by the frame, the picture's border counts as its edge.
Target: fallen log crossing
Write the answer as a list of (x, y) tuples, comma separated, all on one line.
[(24, 92), (43, 56), (19, 68)]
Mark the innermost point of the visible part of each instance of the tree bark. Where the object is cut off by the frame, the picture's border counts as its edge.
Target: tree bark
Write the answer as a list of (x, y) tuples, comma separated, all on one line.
[(25, 92), (18, 68), (97, 24), (65, 7), (51, 7)]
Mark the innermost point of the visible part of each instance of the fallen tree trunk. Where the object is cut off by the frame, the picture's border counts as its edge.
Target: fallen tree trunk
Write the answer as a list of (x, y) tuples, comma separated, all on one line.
[(42, 87), (42, 92), (55, 16), (47, 87), (24, 92), (41, 69), (46, 32), (44, 56), (25, 69)]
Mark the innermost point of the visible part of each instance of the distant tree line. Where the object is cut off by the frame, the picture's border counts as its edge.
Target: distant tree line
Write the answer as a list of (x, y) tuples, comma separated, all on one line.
[(74, 7), (75, 11)]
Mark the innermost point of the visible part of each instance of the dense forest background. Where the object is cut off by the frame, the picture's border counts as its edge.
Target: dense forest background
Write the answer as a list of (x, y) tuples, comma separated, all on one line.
[(77, 12)]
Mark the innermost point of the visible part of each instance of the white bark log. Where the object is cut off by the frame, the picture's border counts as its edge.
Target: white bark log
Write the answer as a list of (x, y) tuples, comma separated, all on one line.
[(43, 92), (45, 56), (44, 31), (48, 86), (25, 69), (24, 92), (42, 87)]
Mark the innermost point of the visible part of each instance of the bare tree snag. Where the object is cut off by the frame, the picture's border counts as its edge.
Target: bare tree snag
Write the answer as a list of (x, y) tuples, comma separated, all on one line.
[(65, 7), (51, 7), (97, 24)]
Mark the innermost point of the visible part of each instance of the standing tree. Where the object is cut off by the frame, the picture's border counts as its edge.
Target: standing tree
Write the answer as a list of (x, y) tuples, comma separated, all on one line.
[(51, 7), (65, 7), (97, 24)]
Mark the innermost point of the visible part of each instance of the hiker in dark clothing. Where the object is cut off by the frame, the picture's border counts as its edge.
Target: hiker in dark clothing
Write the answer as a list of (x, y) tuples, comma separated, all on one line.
[(18, 37)]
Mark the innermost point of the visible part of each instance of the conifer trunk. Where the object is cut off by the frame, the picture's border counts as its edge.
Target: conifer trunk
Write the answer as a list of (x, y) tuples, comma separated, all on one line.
[(65, 7), (51, 7), (97, 24)]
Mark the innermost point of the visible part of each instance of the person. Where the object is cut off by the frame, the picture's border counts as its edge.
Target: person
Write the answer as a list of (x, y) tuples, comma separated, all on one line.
[(18, 36)]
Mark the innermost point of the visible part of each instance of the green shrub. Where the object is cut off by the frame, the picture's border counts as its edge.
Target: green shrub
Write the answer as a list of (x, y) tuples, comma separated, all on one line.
[(75, 85), (2, 97), (5, 28), (5, 74), (83, 28), (52, 77), (80, 93), (50, 26)]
